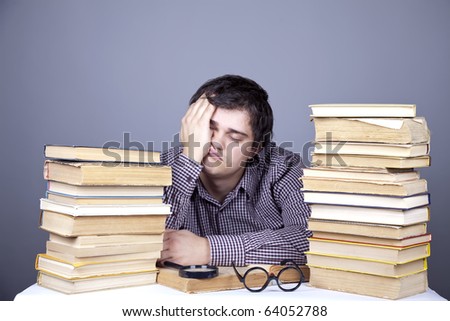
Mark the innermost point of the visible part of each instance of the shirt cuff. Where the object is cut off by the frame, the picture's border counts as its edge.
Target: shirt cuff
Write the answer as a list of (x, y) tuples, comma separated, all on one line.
[(226, 249), (185, 173)]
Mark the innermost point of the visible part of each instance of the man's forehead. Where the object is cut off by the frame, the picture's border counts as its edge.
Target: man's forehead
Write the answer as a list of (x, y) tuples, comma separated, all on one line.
[(232, 120)]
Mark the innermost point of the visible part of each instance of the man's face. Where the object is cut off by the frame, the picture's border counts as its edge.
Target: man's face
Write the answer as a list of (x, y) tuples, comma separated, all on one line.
[(231, 143)]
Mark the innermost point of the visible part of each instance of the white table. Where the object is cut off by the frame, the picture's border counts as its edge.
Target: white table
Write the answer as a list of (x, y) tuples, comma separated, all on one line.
[(38, 303), (305, 292)]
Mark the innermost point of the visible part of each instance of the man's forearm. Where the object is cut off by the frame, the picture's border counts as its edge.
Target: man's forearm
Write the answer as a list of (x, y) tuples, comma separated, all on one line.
[(267, 246), (185, 173)]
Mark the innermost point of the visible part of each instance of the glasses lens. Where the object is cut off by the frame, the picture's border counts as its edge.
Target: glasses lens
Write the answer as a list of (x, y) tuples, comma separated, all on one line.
[(255, 279), (289, 278)]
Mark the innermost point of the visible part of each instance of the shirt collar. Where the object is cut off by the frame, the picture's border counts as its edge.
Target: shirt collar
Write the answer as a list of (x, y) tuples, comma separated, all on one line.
[(203, 193)]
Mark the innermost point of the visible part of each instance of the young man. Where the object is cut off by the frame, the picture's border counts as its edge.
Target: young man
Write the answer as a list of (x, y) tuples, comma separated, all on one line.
[(235, 196)]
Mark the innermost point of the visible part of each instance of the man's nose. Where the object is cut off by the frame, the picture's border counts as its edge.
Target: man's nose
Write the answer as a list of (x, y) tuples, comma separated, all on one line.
[(217, 140)]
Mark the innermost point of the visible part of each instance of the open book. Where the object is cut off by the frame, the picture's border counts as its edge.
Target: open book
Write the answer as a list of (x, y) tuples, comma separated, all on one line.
[(226, 280)]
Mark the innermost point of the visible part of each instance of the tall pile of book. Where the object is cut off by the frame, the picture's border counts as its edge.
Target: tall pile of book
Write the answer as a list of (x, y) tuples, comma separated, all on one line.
[(105, 217), (369, 206)]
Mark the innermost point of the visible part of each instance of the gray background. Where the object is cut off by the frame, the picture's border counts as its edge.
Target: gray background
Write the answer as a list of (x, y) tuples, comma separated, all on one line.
[(86, 72)]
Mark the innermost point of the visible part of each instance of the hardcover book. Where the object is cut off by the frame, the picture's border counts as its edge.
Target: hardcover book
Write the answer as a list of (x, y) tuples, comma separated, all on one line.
[(226, 280), (67, 270), (366, 200), (89, 191), (112, 249), (367, 284), (401, 243), (363, 110), (374, 252), (68, 225), (72, 259), (370, 214), (108, 210), (362, 173), (375, 149), (124, 174), (370, 161), (104, 200), (366, 266), (375, 130), (102, 154), (396, 232), (407, 188), (72, 286)]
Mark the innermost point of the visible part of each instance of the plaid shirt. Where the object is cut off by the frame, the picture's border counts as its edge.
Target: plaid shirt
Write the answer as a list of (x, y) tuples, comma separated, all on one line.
[(263, 220)]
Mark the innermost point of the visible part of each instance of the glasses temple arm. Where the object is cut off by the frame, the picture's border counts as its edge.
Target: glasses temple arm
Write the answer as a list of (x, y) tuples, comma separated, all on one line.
[(241, 278), (296, 265)]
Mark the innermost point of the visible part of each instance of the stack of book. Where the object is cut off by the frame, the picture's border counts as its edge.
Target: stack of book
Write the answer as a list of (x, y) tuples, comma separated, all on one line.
[(369, 206), (105, 218)]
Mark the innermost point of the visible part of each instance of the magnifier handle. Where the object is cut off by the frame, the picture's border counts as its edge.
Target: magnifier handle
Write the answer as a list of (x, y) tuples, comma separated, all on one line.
[(173, 265)]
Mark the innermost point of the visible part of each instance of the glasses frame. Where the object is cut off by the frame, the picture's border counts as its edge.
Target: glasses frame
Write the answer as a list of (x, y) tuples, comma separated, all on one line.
[(271, 276)]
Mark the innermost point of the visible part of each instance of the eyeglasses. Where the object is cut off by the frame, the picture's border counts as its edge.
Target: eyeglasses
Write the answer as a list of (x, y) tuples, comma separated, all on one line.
[(257, 278)]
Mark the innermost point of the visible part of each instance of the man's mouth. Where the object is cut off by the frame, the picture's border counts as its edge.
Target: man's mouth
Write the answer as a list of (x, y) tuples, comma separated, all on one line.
[(214, 154)]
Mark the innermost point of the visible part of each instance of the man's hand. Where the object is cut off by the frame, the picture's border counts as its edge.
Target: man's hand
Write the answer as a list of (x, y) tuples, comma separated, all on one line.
[(185, 248), (195, 133)]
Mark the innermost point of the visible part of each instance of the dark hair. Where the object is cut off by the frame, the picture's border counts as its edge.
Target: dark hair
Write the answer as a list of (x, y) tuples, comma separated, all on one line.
[(240, 93)]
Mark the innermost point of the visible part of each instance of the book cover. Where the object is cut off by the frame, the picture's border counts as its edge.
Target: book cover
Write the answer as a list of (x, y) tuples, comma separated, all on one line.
[(104, 191), (71, 226), (366, 266), (378, 241), (68, 270), (406, 188), (102, 200), (363, 110), (105, 209), (104, 173), (366, 200), (374, 252), (370, 214), (362, 173), (103, 154), (226, 280), (111, 249), (81, 285), (375, 149), (395, 232), (370, 161), (367, 284), (379, 130)]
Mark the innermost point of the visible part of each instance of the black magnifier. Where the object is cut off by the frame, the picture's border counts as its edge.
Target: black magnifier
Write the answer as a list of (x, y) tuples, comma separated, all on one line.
[(203, 271)]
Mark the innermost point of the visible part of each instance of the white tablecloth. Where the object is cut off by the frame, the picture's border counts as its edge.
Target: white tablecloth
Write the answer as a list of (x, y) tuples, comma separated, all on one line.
[(305, 292), (163, 303)]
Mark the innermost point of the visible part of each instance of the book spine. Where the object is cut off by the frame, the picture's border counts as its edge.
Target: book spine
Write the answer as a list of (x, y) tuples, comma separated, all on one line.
[(46, 171)]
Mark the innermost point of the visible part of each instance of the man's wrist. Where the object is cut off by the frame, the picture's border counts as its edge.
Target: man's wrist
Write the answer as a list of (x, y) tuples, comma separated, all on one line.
[(185, 173), (191, 154), (226, 249), (207, 252)]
